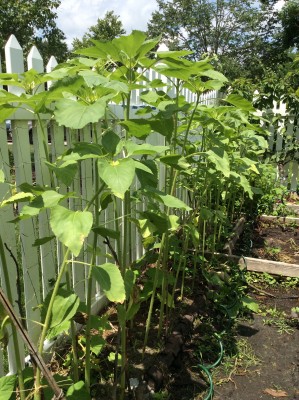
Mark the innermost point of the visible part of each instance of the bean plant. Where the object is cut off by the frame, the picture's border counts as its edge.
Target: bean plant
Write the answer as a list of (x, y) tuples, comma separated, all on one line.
[(193, 185)]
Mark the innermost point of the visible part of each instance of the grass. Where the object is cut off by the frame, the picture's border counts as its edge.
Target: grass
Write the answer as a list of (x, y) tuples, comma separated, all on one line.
[(266, 280), (239, 363), (277, 318)]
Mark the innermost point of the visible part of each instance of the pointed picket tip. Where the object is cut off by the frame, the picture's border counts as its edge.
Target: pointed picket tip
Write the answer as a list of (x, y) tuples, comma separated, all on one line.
[(14, 59), (51, 64), (13, 43), (49, 67), (35, 60), (34, 53)]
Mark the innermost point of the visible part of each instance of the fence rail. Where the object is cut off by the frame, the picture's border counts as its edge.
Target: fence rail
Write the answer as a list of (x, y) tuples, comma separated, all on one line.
[(32, 269)]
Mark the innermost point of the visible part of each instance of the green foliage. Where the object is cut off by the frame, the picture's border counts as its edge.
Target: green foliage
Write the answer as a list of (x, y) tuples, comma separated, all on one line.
[(71, 227), (7, 386), (105, 30), (111, 281), (240, 34)]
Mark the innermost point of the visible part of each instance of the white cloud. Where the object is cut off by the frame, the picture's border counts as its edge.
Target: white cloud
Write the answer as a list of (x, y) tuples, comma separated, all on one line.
[(75, 17)]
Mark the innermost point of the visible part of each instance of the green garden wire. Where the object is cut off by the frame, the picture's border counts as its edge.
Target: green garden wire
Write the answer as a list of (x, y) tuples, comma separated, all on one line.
[(206, 369)]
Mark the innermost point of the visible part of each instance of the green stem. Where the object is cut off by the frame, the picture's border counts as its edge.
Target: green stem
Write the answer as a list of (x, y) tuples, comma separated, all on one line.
[(14, 331), (190, 122), (75, 369), (164, 293), (94, 200), (153, 296), (37, 394), (88, 312)]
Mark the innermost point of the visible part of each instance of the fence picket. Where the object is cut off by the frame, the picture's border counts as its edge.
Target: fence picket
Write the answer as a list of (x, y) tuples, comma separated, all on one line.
[(28, 230), (8, 235), (14, 61)]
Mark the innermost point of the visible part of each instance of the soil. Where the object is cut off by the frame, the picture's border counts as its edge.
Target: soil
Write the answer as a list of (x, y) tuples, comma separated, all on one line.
[(276, 374), (261, 351), (272, 240)]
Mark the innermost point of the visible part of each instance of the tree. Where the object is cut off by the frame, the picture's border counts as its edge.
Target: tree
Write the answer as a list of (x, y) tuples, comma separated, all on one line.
[(289, 17), (105, 30), (33, 22), (237, 32)]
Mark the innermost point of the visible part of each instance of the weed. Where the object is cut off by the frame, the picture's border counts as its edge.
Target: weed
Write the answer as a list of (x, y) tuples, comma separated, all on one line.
[(266, 280), (272, 252), (277, 318), (236, 364)]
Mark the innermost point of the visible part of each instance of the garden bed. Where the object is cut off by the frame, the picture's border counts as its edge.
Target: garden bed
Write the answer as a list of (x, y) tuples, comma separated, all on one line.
[(260, 350), (271, 245)]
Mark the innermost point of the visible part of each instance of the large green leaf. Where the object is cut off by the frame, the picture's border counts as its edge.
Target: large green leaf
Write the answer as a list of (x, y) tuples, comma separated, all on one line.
[(96, 344), (47, 199), (7, 387), (132, 44), (240, 102), (110, 140), (66, 172), (118, 175), (106, 232), (64, 308), (6, 110), (250, 303), (82, 151), (139, 128), (220, 159), (111, 282), (176, 161), (71, 227), (145, 148), (74, 114), (78, 391), (167, 199), (147, 173), (17, 198)]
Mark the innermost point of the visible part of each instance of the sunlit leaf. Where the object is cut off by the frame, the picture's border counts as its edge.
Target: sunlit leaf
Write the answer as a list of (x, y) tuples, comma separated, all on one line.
[(71, 227), (111, 282), (78, 391), (240, 102), (219, 157), (7, 386), (74, 114), (118, 175)]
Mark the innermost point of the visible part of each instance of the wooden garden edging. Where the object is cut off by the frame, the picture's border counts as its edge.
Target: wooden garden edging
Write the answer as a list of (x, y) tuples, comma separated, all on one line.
[(257, 264)]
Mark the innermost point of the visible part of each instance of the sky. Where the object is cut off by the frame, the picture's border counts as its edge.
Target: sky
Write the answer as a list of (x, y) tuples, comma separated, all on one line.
[(75, 17)]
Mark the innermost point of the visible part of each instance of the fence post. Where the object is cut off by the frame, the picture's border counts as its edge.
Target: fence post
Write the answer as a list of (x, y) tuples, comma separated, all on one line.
[(27, 229)]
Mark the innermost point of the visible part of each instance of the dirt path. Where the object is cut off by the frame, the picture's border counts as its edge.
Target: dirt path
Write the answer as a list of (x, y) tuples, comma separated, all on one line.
[(277, 372)]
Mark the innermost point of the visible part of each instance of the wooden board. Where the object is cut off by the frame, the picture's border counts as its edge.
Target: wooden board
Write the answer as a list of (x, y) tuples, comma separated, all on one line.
[(283, 220), (261, 265)]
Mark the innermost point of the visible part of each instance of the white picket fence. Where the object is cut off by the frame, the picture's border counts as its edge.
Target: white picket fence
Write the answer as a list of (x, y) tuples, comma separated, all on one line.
[(22, 162), (284, 133)]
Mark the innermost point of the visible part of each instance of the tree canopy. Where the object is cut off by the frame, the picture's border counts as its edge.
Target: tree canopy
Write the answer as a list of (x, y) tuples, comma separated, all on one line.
[(243, 35), (33, 22), (105, 30)]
